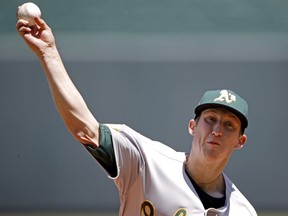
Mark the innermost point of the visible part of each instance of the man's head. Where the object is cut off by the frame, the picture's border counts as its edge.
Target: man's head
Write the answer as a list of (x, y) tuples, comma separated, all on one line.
[(219, 124), (226, 99)]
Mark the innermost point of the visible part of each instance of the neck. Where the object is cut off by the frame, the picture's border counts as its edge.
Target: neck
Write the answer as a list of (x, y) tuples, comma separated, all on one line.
[(207, 176)]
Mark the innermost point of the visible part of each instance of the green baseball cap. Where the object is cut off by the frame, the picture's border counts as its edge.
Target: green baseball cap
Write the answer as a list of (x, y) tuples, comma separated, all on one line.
[(226, 99)]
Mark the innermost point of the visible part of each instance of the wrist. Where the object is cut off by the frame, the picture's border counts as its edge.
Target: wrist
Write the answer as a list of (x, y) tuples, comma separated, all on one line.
[(50, 54)]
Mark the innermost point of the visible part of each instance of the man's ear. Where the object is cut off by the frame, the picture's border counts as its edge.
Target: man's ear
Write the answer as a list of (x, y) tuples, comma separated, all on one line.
[(191, 126), (241, 141)]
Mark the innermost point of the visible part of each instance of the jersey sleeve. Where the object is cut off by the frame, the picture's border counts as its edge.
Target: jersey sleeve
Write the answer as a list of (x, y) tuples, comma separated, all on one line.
[(128, 154), (118, 154), (104, 154)]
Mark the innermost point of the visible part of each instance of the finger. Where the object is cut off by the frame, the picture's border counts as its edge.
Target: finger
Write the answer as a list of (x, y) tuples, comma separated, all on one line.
[(34, 29), (21, 23), (23, 29), (41, 23)]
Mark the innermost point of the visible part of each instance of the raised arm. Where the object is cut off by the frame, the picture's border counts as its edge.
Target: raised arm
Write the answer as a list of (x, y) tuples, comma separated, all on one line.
[(72, 108)]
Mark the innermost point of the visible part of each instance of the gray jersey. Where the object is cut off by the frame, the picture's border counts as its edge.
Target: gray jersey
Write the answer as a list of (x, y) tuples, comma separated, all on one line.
[(152, 181)]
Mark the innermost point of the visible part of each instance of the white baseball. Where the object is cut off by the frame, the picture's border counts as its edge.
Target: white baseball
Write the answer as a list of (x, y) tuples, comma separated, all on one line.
[(28, 11)]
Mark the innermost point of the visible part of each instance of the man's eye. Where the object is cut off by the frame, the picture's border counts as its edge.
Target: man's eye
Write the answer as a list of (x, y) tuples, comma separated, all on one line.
[(229, 124), (210, 119)]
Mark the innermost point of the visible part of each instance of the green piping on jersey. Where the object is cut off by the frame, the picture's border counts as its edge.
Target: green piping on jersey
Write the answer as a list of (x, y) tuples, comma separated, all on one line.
[(104, 154)]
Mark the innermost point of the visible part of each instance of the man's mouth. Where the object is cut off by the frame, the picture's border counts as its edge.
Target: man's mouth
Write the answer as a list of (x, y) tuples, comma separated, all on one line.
[(213, 143)]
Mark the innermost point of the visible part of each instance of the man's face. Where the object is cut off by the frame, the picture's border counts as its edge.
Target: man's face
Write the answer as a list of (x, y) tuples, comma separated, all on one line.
[(216, 134)]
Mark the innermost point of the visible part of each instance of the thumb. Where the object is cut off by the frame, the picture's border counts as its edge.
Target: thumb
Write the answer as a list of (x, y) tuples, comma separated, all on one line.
[(41, 23)]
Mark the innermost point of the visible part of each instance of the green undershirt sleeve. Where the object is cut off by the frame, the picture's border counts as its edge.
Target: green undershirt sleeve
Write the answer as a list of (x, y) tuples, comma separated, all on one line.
[(104, 154)]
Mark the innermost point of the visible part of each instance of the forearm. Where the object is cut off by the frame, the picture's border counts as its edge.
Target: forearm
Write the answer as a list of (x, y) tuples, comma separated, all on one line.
[(68, 100)]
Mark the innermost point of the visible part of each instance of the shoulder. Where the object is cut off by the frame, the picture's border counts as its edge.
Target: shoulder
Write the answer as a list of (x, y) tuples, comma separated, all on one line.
[(122, 129), (116, 127), (144, 143)]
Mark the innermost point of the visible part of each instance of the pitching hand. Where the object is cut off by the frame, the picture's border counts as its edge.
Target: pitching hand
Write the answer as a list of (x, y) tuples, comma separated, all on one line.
[(38, 37)]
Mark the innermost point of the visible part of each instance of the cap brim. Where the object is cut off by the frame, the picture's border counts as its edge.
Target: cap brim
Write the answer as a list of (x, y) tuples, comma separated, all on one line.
[(205, 106)]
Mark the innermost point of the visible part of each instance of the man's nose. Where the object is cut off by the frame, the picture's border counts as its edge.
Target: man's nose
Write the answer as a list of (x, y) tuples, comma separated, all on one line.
[(217, 130)]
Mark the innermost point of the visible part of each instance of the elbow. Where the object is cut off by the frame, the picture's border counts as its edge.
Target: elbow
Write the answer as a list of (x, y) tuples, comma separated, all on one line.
[(87, 137), (84, 130)]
